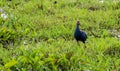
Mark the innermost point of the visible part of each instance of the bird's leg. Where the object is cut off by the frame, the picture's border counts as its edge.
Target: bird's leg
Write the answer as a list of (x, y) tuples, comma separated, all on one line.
[(78, 43), (84, 45)]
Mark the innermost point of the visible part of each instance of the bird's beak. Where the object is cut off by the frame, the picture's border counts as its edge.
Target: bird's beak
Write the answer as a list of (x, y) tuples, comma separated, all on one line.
[(78, 22)]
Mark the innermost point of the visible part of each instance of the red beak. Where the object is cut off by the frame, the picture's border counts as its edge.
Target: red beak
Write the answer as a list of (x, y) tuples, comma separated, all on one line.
[(78, 22)]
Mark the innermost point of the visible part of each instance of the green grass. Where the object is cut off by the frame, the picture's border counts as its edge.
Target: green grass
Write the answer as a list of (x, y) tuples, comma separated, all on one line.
[(38, 35)]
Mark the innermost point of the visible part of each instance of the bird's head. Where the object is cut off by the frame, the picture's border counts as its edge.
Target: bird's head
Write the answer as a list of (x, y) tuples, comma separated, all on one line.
[(78, 22)]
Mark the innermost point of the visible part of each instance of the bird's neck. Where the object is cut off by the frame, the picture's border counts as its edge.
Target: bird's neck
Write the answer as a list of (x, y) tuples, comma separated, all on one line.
[(77, 26)]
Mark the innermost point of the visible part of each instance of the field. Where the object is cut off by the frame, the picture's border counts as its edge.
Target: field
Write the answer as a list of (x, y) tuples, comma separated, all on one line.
[(38, 35)]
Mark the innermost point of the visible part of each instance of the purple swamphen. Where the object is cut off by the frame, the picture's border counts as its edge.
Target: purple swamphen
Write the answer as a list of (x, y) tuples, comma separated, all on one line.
[(79, 34)]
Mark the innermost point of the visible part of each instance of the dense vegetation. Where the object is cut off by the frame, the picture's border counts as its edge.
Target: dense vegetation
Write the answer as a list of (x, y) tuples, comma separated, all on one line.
[(37, 35)]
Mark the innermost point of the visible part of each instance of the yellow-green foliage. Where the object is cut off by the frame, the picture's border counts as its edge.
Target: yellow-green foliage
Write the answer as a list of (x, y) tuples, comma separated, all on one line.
[(37, 35)]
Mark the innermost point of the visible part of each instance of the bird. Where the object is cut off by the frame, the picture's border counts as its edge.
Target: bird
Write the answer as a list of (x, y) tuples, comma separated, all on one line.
[(79, 35)]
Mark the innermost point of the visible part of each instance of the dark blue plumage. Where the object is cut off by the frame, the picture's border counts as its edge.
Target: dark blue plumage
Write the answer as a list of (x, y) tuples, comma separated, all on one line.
[(79, 35)]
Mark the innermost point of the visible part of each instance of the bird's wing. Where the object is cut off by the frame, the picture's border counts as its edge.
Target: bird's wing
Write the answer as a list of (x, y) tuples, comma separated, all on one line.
[(84, 34)]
